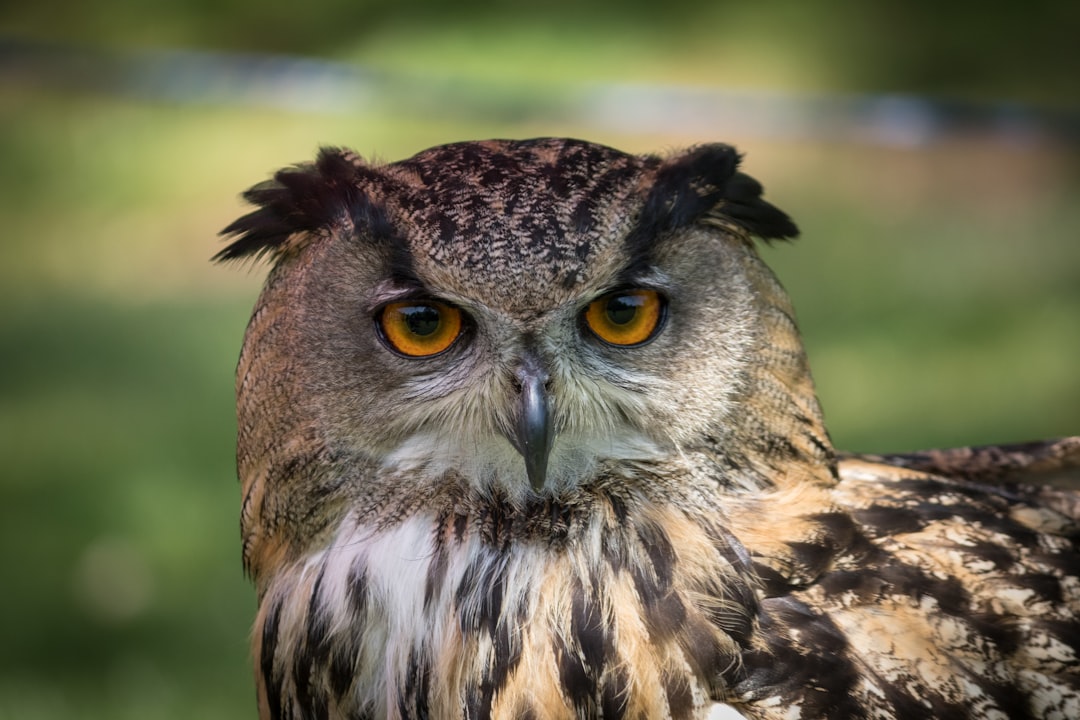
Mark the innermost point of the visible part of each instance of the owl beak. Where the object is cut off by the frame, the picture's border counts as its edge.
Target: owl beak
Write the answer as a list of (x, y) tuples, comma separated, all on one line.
[(532, 434)]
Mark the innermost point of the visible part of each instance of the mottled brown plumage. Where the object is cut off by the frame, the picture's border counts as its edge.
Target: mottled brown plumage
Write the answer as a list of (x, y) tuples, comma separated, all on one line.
[(540, 520)]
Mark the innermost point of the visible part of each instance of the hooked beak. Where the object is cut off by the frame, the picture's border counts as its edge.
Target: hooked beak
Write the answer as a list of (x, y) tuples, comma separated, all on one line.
[(532, 431)]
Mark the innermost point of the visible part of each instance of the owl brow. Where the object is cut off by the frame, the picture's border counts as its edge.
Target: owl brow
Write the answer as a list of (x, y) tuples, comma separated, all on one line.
[(399, 262), (396, 289), (642, 274)]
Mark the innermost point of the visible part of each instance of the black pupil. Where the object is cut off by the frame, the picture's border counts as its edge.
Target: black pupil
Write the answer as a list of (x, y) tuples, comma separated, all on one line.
[(621, 309), (422, 320)]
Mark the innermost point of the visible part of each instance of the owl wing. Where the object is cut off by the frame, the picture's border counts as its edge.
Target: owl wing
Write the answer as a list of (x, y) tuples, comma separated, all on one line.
[(947, 585), (1054, 463)]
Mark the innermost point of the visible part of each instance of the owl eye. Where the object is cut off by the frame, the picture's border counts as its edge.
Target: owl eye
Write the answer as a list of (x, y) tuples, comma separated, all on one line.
[(626, 317), (419, 328)]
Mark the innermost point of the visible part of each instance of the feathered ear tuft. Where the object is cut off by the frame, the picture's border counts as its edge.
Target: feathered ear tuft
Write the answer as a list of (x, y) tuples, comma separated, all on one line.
[(743, 204), (301, 200), (704, 181)]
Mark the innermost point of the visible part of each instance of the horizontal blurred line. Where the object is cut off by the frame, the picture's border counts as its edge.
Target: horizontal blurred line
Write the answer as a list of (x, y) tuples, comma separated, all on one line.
[(321, 86)]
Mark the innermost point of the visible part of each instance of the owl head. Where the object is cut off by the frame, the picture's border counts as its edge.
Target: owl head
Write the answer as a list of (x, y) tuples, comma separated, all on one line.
[(512, 318)]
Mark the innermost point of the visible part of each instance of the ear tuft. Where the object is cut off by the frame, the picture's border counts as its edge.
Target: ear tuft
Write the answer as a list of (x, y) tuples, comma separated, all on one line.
[(704, 181), (743, 204), (301, 200)]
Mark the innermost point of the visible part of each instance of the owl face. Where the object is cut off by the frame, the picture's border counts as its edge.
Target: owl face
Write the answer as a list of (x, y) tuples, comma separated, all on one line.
[(510, 315)]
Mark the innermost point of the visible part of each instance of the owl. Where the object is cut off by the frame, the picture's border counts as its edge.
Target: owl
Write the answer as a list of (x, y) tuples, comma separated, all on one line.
[(526, 430)]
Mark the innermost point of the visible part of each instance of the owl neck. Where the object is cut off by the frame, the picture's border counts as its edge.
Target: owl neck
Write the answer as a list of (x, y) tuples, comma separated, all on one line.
[(776, 438)]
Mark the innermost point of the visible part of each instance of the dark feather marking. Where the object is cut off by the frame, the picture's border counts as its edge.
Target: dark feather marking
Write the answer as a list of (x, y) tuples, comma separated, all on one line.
[(306, 198), (680, 696), (271, 678), (461, 523), (526, 712), (901, 701), (586, 624), (779, 449), (1007, 698), (497, 524), (1067, 632), (839, 527), (1001, 557), (664, 611), (686, 187), (862, 549), (1067, 563), (506, 642), (836, 535), (986, 506), (689, 186), (479, 594), (412, 701), (345, 653), (614, 693), (989, 518), (806, 661), (706, 651), (942, 708), (662, 555), (743, 204), (572, 672), (824, 450), (990, 504), (738, 624), (401, 268), (866, 586), (811, 560), (479, 599), (614, 549), (560, 517), (357, 590), (664, 614), (773, 583), (885, 520), (951, 596), (929, 487), (793, 613), (436, 572), (1046, 586), (591, 677), (583, 218), (313, 653), (588, 629), (739, 587), (618, 509), (1000, 630), (952, 599), (343, 668)]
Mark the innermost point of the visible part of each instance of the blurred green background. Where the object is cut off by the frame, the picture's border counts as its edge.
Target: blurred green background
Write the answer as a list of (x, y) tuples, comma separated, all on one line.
[(937, 280)]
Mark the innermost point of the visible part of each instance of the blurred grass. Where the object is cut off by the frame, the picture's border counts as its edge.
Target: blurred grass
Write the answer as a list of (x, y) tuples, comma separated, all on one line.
[(962, 48), (125, 597), (938, 290)]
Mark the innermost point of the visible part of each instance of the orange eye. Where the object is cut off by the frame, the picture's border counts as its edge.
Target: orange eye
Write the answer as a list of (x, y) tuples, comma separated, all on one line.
[(419, 328), (625, 317)]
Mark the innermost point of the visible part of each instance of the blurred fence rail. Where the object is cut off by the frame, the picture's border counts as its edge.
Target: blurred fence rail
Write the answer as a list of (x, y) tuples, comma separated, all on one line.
[(304, 84)]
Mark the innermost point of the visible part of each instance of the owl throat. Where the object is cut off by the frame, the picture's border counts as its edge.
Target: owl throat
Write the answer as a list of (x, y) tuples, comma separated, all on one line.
[(602, 604)]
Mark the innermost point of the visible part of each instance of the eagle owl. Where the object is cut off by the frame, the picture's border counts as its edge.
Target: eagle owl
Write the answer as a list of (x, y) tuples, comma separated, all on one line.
[(526, 430)]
